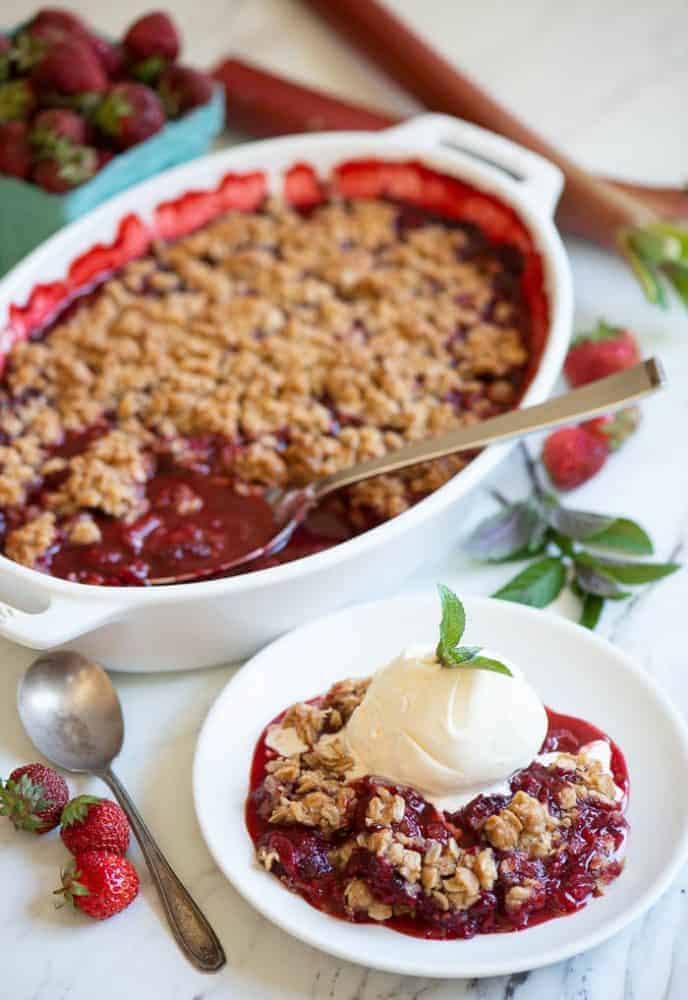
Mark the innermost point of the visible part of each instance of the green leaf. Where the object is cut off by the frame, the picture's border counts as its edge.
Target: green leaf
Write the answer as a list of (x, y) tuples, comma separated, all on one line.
[(537, 585), (487, 663), (592, 578), (504, 534), (634, 573), (603, 331), (678, 276), (452, 624), (645, 271), (77, 810), (463, 654), (578, 524), (657, 247), (591, 610), (623, 534)]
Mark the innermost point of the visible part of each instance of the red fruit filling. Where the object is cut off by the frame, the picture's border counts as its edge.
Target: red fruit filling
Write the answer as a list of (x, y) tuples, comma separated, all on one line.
[(369, 883)]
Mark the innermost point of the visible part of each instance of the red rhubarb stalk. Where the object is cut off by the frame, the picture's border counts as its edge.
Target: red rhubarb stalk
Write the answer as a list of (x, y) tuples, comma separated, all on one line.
[(267, 104), (590, 207)]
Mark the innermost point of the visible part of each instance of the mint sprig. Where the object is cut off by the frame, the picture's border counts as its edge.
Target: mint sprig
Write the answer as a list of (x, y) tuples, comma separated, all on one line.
[(452, 627), (568, 544)]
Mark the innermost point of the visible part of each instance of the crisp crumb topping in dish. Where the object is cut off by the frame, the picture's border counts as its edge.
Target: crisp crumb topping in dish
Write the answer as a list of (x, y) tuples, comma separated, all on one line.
[(362, 849), (265, 349)]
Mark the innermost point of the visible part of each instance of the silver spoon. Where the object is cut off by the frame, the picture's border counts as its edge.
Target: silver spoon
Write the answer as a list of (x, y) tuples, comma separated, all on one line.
[(291, 507), (72, 714)]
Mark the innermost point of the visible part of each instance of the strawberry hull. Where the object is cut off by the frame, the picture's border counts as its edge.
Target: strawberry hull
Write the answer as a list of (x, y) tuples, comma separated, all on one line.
[(29, 214)]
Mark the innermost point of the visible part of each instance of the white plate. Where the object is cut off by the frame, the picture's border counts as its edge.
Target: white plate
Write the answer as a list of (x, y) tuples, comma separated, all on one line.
[(574, 671)]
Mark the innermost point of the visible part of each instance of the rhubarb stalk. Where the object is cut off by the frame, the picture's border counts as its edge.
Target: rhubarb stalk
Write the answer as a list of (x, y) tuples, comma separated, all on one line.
[(590, 207)]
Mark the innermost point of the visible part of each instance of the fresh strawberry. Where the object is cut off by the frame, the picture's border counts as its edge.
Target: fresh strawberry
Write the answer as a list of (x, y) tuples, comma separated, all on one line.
[(70, 67), (58, 17), (153, 34), (17, 100), (92, 824), (111, 56), (69, 167), (182, 88), (606, 350), (130, 113), (99, 883), (33, 798), (573, 455), (15, 149), (615, 428), (5, 57), (54, 124), (31, 44), (103, 157)]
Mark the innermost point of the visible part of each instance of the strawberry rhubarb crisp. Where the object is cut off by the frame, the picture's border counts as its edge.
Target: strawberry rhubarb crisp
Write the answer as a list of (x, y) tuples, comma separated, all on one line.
[(367, 849), (440, 797), (140, 430)]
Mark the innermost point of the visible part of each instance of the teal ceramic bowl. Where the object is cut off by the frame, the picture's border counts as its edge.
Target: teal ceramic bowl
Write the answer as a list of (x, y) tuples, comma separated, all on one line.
[(28, 214)]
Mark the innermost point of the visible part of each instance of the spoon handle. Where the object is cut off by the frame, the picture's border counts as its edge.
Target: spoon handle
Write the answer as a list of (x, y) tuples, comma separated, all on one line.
[(603, 396), (192, 931)]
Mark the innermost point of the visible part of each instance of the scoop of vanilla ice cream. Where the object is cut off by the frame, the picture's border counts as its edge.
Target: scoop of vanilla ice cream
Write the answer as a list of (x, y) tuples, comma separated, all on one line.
[(450, 733)]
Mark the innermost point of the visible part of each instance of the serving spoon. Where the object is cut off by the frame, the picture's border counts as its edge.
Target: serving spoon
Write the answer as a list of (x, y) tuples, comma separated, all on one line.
[(72, 714), (290, 507)]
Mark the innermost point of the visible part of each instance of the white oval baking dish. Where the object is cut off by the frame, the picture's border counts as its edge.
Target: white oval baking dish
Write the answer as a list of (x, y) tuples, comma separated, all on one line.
[(199, 624)]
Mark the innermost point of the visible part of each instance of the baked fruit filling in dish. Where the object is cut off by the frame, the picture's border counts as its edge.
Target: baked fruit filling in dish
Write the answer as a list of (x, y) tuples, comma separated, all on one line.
[(365, 801), (140, 428)]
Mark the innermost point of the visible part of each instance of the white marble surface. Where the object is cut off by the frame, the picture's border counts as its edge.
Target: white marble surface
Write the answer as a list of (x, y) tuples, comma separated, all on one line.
[(608, 82)]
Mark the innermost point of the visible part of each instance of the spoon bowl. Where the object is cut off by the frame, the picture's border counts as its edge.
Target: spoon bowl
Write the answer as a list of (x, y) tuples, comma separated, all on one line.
[(71, 711)]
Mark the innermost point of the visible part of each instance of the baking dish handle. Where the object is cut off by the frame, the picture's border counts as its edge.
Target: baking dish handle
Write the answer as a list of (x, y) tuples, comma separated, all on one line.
[(540, 179), (60, 622)]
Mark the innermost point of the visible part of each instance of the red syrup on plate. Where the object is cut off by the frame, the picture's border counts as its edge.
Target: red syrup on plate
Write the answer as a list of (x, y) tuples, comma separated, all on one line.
[(566, 879)]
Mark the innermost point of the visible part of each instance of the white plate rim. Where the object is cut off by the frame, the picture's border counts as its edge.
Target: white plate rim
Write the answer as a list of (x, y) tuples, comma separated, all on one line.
[(551, 955)]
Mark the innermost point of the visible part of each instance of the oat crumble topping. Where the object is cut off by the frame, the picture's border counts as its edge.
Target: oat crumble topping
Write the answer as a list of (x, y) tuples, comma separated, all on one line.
[(503, 845), (306, 343)]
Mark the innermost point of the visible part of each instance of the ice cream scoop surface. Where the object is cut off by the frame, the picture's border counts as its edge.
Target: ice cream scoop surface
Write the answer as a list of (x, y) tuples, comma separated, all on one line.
[(450, 733)]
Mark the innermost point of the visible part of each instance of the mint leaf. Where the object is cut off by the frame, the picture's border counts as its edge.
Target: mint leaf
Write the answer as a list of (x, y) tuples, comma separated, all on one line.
[(537, 585), (623, 534), (637, 573), (463, 654), (487, 663), (452, 624), (591, 610)]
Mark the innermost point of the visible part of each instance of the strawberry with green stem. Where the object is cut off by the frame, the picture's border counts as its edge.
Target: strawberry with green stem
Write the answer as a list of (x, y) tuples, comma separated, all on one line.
[(151, 43), (600, 352), (33, 798), (92, 823), (99, 883), (130, 113), (65, 168)]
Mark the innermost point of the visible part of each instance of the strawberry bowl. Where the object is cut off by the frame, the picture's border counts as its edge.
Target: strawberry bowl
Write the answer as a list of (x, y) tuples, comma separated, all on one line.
[(433, 163), (30, 214)]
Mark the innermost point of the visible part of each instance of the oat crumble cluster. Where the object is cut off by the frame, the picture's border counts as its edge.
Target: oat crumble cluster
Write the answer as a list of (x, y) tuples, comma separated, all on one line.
[(304, 343), (380, 852)]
